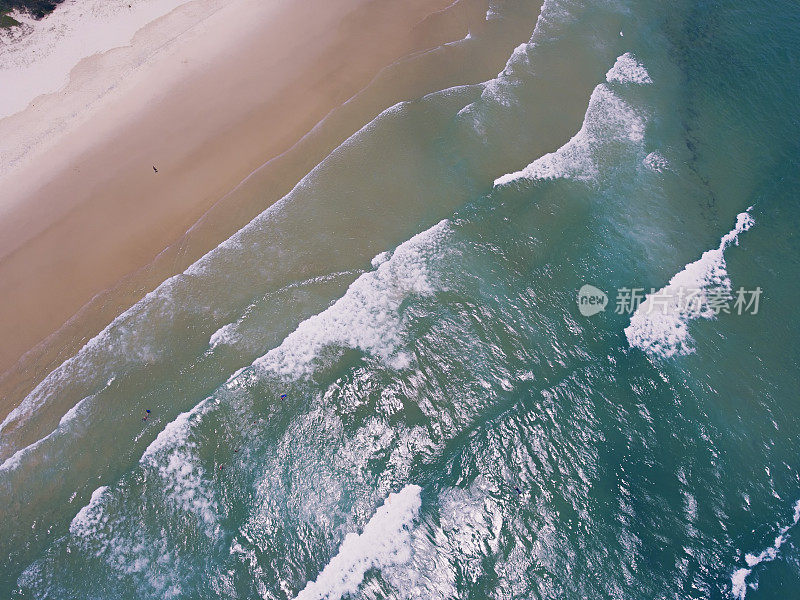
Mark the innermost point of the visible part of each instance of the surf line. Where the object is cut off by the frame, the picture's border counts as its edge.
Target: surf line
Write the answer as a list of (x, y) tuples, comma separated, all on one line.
[(739, 576)]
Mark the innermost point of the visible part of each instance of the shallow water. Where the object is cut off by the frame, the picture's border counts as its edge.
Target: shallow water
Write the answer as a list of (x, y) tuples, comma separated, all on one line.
[(453, 425)]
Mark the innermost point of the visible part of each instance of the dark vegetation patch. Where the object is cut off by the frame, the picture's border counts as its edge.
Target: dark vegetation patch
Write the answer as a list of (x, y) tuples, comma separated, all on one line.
[(6, 21), (38, 8)]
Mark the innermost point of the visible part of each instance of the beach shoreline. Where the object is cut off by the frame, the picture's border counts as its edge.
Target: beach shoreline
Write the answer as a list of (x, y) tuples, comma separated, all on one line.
[(99, 227)]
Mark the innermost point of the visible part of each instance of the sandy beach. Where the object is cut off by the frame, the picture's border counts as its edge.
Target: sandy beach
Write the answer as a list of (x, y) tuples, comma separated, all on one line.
[(87, 224)]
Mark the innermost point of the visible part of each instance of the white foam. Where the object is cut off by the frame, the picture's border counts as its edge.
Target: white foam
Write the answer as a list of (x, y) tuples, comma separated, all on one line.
[(90, 516), (628, 70), (101, 530), (223, 335), (468, 528), (500, 89), (608, 119), (104, 530), (739, 576), (656, 162), (368, 317), (229, 334), (738, 583), (380, 259), (318, 443), (554, 18), (173, 456), (385, 541), (15, 460), (660, 324)]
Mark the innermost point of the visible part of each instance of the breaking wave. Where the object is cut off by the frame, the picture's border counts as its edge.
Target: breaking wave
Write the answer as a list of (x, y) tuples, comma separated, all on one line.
[(660, 325)]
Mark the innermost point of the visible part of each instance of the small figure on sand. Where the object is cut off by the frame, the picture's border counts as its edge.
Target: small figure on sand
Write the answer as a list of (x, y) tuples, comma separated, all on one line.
[(154, 169)]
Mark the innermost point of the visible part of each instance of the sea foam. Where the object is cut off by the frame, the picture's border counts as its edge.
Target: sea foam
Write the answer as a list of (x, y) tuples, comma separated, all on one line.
[(739, 576), (656, 162), (82, 408), (608, 119), (660, 325), (90, 516), (173, 456), (628, 70), (385, 541), (368, 317), (467, 530)]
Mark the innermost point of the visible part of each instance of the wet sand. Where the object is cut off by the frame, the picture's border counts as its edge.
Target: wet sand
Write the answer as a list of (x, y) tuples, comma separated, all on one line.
[(88, 227)]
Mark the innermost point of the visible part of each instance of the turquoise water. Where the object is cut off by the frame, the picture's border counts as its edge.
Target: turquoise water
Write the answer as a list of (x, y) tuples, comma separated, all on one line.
[(453, 426)]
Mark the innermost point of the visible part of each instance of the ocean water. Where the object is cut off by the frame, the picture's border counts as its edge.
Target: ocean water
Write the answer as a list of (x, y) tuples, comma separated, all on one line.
[(384, 386)]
